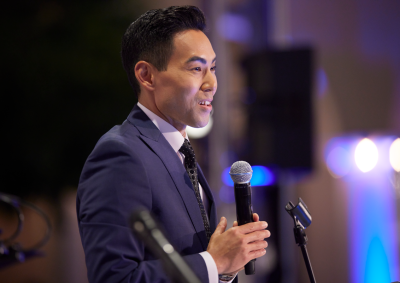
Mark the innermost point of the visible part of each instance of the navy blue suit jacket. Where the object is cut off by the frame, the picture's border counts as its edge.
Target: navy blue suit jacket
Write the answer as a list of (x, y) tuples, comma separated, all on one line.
[(134, 166)]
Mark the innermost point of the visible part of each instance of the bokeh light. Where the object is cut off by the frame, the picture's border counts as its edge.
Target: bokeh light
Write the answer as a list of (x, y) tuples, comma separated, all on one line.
[(197, 133), (262, 176), (226, 178), (338, 162), (394, 155), (234, 27), (366, 155), (322, 80)]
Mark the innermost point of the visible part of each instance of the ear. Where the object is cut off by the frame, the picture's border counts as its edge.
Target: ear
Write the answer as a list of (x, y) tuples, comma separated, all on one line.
[(144, 74)]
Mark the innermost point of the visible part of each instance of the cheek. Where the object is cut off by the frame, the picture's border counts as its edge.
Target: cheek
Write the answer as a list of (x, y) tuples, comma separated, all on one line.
[(183, 96), (177, 92), (167, 92)]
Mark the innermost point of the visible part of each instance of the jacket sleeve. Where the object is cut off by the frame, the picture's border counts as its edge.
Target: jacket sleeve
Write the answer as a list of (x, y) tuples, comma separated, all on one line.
[(113, 184)]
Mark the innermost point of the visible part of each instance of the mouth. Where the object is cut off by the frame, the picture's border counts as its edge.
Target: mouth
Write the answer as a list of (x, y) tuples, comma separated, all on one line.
[(205, 102)]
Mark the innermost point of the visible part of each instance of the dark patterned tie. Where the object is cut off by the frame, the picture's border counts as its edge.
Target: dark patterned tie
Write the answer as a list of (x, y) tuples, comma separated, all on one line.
[(191, 169)]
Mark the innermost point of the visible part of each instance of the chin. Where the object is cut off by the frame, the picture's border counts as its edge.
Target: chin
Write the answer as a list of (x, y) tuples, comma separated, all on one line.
[(199, 124)]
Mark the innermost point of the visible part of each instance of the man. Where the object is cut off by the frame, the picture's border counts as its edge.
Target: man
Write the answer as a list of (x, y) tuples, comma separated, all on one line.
[(145, 162)]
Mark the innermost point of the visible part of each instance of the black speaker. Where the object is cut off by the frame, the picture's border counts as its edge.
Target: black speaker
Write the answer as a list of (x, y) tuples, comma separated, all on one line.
[(279, 99)]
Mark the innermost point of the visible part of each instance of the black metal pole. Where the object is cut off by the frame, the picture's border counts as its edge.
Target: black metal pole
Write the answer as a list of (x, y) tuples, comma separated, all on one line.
[(308, 263), (301, 240)]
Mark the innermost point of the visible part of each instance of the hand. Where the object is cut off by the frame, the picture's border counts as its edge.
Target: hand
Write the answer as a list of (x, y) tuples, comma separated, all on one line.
[(256, 218), (233, 248)]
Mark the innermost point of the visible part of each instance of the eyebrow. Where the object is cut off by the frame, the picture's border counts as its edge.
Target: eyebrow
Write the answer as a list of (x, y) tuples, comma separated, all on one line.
[(201, 60)]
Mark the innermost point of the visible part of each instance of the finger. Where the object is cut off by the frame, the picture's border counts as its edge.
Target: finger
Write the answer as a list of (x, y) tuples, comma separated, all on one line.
[(253, 226), (257, 236), (221, 226), (235, 223), (257, 253), (258, 245), (256, 218)]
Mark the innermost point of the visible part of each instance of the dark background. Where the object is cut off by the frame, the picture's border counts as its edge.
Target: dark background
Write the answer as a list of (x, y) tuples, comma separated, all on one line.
[(63, 86)]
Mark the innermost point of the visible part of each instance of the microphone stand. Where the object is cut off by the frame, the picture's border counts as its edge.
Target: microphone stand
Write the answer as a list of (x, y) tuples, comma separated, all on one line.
[(301, 240), (302, 219)]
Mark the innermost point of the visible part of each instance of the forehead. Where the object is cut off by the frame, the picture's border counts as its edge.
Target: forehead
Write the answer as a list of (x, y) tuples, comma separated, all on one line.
[(191, 43)]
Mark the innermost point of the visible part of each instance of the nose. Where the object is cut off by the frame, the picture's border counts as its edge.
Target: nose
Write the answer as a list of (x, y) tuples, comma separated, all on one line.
[(209, 83)]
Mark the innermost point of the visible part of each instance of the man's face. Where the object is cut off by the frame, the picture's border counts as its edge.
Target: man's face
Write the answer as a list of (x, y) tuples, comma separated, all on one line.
[(184, 92)]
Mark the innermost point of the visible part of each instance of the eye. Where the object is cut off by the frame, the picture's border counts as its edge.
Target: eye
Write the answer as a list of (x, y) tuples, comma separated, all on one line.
[(213, 68), (198, 69)]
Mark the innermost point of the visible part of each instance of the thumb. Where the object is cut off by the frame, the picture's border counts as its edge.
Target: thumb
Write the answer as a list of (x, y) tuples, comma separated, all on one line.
[(221, 226)]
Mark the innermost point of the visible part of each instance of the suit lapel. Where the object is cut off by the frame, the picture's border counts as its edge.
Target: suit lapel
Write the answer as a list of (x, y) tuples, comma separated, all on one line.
[(156, 141)]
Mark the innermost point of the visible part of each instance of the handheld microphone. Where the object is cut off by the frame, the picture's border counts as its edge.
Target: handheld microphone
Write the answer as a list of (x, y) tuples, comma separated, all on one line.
[(241, 174), (147, 229)]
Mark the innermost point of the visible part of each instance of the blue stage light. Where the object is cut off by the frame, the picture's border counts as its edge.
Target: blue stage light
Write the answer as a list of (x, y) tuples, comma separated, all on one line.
[(373, 246), (226, 178), (373, 237), (377, 268), (262, 176)]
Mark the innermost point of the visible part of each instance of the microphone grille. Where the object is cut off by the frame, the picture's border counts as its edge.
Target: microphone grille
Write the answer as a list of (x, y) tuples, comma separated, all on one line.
[(241, 172)]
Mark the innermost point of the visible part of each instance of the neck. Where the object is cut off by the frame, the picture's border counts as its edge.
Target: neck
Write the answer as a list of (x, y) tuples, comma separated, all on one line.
[(148, 102)]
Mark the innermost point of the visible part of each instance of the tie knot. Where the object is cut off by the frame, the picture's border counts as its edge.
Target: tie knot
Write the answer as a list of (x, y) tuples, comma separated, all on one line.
[(187, 149)]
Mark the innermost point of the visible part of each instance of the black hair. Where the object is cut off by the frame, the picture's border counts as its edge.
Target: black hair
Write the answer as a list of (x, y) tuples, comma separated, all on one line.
[(150, 37)]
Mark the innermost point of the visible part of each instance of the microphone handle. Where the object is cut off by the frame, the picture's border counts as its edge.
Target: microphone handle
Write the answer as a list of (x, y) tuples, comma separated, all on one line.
[(244, 215)]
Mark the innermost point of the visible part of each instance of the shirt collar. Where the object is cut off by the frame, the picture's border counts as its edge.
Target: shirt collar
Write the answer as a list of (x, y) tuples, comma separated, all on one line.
[(172, 135)]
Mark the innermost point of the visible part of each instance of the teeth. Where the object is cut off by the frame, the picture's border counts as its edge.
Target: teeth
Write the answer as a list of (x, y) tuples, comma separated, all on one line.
[(205, 102)]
